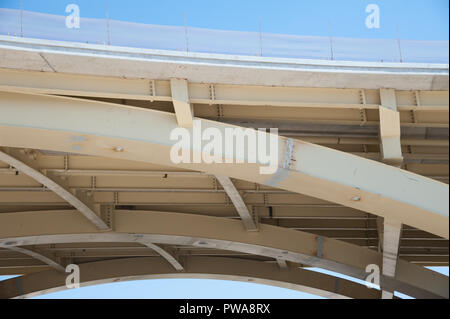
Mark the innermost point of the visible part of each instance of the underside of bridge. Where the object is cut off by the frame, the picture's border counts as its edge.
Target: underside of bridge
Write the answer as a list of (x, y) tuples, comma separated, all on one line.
[(86, 177)]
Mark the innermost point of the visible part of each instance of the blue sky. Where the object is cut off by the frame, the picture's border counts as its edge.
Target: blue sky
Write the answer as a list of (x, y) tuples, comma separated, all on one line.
[(416, 20), (308, 24)]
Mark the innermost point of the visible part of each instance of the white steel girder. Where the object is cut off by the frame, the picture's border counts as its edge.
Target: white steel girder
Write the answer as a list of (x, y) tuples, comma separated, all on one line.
[(391, 150), (22, 81), (180, 98), (391, 153), (109, 130), (221, 268), (68, 226), (391, 242)]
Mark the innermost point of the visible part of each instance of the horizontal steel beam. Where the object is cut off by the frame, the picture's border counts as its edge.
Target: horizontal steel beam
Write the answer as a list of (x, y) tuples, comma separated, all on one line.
[(211, 94)]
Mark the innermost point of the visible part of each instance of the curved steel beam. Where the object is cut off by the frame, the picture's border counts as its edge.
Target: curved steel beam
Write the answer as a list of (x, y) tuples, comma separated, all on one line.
[(39, 256), (65, 226), (115, 270), (165, 254), (80, 201), (110, 130), (238, 202)]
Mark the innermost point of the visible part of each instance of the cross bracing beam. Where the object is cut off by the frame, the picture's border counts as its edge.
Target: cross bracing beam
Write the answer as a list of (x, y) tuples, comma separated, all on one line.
[(102, 129), (39, 256), (52, 227), (20, 161), (238, 202), (391, 242), (165, 254), (282, 264), (391, 150), (180, 98), (391, 153)]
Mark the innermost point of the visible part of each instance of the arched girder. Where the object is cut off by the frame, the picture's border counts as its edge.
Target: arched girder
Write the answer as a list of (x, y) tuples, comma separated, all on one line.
[(98, 128), (115, 270), (66, 226)]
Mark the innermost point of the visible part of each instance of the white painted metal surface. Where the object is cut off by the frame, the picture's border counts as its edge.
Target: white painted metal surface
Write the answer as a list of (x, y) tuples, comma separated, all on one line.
[(65, 57)]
